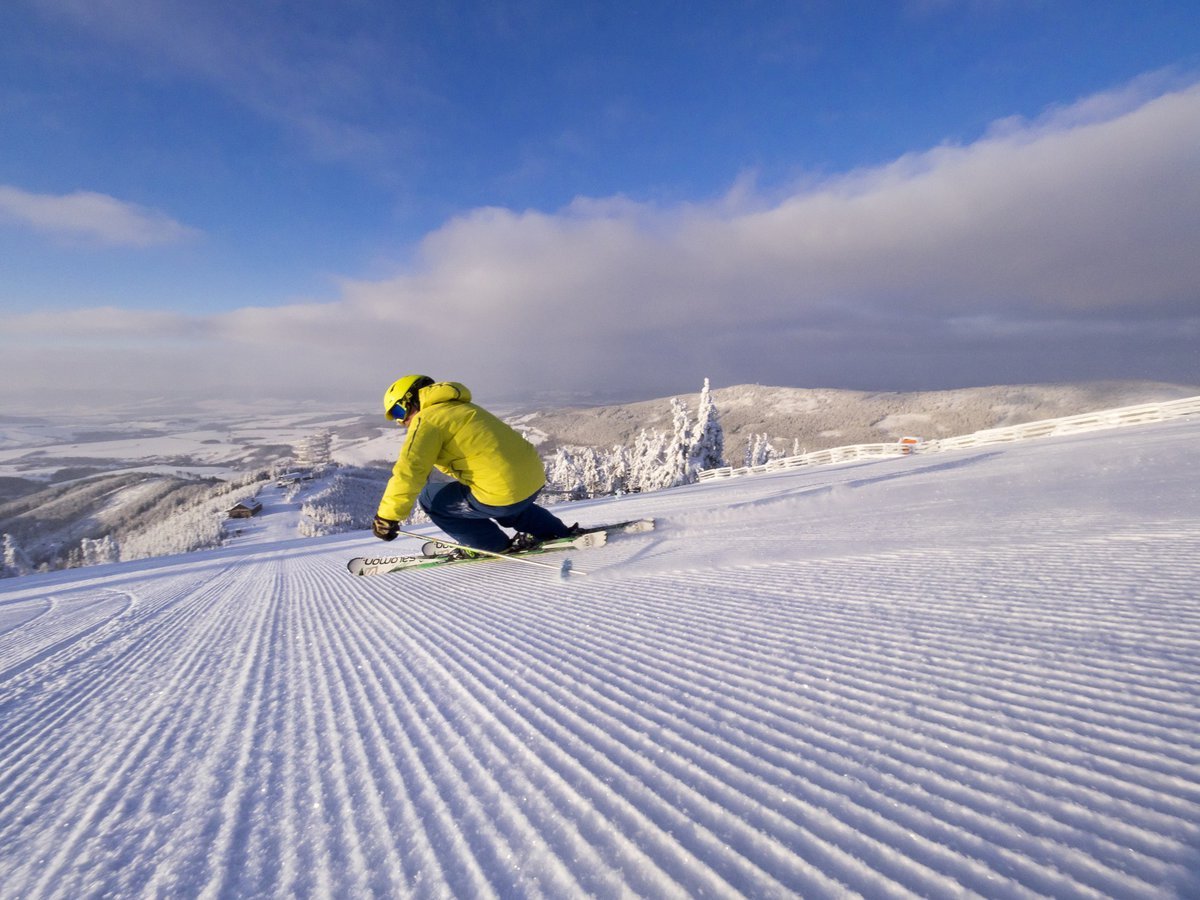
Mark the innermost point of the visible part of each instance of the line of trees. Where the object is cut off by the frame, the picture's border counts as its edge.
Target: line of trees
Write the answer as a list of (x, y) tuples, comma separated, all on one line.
[(657, 460), (760, 450)]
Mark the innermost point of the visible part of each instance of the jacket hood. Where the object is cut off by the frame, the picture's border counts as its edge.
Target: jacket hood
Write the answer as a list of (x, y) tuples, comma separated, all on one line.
[(444, 392)]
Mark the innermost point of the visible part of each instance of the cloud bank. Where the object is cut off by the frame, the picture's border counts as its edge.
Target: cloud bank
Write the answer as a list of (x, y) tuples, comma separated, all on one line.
[(90, 216), (1058, 249)]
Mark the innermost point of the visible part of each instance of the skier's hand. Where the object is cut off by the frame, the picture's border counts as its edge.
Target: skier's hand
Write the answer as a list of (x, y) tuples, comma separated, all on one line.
[(385, 529)]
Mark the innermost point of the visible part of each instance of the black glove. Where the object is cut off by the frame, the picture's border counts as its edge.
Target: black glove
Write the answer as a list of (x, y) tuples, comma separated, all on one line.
[(385, 529)]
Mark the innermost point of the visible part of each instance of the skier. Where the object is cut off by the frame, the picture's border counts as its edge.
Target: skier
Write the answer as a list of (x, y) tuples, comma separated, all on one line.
[(497, 473)]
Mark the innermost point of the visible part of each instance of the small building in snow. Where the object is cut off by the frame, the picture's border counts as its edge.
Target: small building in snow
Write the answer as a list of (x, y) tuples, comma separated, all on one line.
[(245, 510)]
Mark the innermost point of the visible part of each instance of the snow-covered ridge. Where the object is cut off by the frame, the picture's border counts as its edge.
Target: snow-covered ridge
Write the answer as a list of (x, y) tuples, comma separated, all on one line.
[(974, 674), (800, 420), (66, 485), (212, 441), (1093, 421)]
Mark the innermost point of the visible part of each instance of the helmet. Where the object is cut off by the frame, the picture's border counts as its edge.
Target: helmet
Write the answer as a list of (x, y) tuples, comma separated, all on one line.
[(405, 393)]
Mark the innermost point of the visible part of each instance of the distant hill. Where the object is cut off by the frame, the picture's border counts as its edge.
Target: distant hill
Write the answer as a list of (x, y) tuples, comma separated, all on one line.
[(58, 486), (57, 516), (146, 514), (817, 418), (36, 453)]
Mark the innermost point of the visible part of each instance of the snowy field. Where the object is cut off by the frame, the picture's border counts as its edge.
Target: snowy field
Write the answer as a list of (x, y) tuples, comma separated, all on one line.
[(970, 674), (221, 441)]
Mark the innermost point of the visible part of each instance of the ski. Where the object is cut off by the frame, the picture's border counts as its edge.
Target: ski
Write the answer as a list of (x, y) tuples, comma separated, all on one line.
[(588, 537), (631, 526), (381, 565)]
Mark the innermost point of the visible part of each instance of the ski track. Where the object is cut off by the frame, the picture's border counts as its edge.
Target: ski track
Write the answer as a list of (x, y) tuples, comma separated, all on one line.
[(882, 703)]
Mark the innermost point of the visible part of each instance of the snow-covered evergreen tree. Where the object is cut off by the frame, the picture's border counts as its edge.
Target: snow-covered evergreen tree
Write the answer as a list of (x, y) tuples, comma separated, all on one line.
[(96, 551), (583, 472), (592, 467), (618, 469), (677, 464), (648, 462), (759, 450), (12, 561), (564, 474), (708, 438)]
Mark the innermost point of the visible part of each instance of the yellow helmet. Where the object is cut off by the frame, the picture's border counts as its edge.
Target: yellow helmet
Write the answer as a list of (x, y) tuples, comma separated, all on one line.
[(403, 397)]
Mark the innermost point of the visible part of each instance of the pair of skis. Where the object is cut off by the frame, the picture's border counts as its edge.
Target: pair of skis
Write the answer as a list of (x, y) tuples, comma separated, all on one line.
[(589, 537)]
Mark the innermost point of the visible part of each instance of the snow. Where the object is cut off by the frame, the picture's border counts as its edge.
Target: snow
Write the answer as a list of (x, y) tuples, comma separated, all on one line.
[(900, 423), (963, 674), (370, 450), (186, 442), (279, 519)]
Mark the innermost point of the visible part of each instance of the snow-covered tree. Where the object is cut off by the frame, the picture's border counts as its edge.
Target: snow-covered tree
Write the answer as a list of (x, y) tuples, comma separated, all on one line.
[(648, 461), (657, 459), (708, 438), (759, 450), (197, 524), (347, 502), (96, 551), (12, 561), (618, 469), (679, 452), (583, 472), (564, 473)]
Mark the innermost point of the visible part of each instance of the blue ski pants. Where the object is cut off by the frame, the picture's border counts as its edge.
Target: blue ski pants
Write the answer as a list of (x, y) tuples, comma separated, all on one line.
[(453, 508)]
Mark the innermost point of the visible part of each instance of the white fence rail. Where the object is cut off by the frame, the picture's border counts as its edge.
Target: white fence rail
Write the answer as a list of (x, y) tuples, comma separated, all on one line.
[(816, 458), (1109, 418)]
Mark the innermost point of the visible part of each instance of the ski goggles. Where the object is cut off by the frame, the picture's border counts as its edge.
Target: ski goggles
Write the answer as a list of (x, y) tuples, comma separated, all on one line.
[(399, 413)]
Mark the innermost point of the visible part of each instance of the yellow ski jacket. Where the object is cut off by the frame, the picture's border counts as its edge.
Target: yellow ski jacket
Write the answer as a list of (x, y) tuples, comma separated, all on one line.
[(468, 443)]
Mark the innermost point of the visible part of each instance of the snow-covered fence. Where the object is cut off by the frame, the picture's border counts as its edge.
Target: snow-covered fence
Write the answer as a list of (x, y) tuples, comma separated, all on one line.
[(1110, 418), (816, 458)]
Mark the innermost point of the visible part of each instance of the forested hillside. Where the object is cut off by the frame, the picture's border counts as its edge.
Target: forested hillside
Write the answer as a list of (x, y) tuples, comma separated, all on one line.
[(107, 518), (814, 419)]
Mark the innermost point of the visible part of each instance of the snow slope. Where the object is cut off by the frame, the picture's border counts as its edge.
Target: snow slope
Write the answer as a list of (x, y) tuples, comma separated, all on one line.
[(969, 674)]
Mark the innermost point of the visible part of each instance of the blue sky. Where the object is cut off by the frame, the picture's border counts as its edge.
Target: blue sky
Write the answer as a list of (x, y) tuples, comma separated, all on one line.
[(305, 200)]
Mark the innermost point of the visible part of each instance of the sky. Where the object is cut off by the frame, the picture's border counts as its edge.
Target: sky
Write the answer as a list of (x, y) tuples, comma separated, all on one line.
[(595, 200)]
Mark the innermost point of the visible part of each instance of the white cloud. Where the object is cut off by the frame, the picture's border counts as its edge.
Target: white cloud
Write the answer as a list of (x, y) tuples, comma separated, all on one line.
[(1063, 248), (92, 216), (108, 323)]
